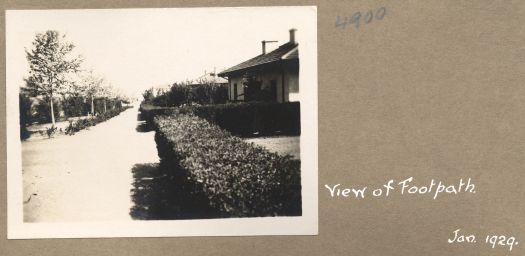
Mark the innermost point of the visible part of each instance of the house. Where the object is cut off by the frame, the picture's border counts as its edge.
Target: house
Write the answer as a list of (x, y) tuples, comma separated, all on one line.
[(209, 88), (211, 78), (271, 76)]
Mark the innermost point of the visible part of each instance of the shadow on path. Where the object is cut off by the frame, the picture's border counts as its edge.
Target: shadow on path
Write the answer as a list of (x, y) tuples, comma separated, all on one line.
[(144, 127), (159, 196)]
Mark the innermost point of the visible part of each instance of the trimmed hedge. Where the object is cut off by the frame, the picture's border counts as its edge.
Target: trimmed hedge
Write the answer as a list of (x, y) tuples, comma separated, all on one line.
[(254, 118), (239, 179), (147, 112), (246, 119)]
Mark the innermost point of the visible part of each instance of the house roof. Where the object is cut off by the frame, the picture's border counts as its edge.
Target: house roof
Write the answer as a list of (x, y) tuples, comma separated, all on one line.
[(293, 54), (286, 51)]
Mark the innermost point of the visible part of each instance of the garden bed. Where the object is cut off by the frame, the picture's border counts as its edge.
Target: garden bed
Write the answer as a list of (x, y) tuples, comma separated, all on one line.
[(69, 126)]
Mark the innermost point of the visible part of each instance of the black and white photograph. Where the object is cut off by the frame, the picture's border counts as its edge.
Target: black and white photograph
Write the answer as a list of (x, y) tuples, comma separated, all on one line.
[(162, 122)]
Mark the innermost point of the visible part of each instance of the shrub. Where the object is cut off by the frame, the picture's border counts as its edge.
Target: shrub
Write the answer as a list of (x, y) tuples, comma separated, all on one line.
[(42, 112), (71, 129), (254, 118), (147, 112), (75, 106), (238, 178), (106, 105), (51, 131), (81, 124), (25, 115)]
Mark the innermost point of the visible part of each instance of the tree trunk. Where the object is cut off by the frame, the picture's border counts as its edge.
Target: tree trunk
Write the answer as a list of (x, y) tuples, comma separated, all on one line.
[(105, 108), (92, 106), (52, 111)]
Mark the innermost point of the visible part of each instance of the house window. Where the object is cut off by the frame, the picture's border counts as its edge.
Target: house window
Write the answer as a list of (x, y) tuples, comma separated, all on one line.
[(234, 91)]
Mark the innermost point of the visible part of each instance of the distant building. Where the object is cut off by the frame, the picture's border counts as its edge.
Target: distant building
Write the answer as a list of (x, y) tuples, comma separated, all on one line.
[(267, 77), (211, 78)]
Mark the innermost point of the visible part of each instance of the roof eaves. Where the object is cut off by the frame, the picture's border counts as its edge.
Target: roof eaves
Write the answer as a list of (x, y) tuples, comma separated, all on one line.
[(289, 52)]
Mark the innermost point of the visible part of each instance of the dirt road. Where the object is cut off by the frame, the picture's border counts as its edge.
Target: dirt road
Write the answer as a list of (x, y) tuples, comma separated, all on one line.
[(87, 176)]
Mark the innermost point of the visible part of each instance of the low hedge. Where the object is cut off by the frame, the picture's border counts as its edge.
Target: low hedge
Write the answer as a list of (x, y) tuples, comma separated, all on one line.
[(81, 124), (239, 179), (253, 118), (147, 112), (245, 119)]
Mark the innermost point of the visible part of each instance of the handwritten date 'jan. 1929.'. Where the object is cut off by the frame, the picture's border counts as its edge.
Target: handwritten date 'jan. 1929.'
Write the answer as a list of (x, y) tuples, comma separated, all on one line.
[(359, 18), (492, 241)]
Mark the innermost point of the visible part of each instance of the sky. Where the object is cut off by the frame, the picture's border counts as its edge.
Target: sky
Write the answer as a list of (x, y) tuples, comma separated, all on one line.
[(136, 49)]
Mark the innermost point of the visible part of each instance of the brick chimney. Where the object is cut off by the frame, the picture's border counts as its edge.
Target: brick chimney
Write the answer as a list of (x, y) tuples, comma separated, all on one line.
[(292, 36)]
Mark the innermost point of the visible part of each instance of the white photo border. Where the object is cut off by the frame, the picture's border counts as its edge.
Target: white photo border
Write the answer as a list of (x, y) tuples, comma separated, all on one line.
[(307, 224)]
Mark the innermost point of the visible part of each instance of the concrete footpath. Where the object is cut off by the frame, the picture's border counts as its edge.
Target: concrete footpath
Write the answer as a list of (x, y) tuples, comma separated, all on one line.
[(87, 176)]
